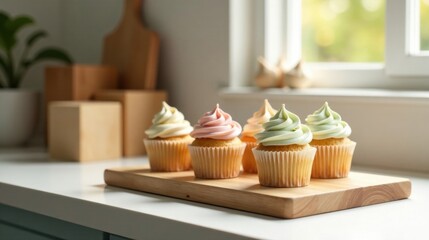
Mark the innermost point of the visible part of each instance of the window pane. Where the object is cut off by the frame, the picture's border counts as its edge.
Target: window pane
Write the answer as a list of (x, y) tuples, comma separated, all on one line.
[(343, 30), (424, 25)]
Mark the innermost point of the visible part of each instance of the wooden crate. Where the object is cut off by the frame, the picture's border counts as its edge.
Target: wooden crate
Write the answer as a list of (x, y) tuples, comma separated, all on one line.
[(85, 131), (138, 109)]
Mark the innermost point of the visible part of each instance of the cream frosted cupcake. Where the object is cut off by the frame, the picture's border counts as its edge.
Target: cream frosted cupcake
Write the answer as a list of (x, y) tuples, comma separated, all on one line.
[(168, 140), (334, 148), (254, 126), (283, 155), (216, 151)]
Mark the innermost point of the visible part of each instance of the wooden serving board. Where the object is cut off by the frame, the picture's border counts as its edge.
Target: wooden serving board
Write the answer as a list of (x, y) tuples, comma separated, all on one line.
[(245, 193), (133, 49)]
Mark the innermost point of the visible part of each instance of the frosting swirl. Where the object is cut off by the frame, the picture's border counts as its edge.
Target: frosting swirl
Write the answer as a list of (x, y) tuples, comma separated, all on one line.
[(254, 124), (284, 128), (216, 124), (169, 122), (325, 123)]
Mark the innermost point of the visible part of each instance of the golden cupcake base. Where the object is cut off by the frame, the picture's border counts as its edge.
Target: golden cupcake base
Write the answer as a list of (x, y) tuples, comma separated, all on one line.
[(217, 162), (333, 161), (168, 155), (284, 169), (249, 162)]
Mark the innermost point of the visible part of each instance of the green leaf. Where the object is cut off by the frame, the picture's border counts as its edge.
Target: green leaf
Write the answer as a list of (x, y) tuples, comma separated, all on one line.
[(9, 29), (4, 66), (50, 54), (35, 36), (2, 41), (17, 23), (4, 17), (7, 41)]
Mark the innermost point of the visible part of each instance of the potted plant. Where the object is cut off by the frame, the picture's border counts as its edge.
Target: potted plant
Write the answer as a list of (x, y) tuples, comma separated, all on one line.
[(18, 107)]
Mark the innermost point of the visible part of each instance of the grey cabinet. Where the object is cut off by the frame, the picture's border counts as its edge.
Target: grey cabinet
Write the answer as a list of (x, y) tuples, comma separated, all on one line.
[(19, 224)]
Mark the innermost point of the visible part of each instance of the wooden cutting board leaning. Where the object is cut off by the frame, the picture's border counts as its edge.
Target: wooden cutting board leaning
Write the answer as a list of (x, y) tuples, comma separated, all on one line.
[(133, 49)]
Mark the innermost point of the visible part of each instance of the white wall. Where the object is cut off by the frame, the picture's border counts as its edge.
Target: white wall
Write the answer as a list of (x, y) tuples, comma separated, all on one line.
[(84, 25), (194, 51)]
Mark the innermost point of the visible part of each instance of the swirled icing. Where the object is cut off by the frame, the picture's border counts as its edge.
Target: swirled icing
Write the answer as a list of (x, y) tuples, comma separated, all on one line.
[(284, 128), (169, 122), (325, 123), (216, 124), (254, 124)]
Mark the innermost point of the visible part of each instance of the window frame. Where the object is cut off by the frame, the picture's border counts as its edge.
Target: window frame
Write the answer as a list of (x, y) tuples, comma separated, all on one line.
[(403, 54)]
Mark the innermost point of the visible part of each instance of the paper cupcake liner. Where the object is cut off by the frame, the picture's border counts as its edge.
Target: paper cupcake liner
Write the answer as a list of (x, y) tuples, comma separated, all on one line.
[(284, 169), (216, 162), (249, 163), (333, 161), (168, 156)]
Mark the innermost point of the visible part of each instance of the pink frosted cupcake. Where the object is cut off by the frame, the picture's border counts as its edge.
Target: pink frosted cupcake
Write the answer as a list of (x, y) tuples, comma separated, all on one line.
[(217, 151), (168, 140), (254, 126)]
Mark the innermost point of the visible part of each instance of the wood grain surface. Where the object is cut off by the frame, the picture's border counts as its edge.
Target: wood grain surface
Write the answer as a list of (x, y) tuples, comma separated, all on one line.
[(138, 109), (85, 131), (133, 49), (245, 193)]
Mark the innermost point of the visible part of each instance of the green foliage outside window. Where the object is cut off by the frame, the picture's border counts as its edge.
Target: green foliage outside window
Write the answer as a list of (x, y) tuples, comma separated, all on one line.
[(343, 30), (350, 30)]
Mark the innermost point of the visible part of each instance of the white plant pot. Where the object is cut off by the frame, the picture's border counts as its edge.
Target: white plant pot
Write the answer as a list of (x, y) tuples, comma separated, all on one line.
[(18, 116)]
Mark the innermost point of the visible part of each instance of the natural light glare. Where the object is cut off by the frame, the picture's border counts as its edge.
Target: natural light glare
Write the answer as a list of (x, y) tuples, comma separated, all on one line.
[(424, 25), (371, 5), (338, 6), (325, 12), (343, 30)]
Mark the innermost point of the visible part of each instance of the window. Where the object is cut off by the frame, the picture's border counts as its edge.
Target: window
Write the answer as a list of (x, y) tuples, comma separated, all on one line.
[(424, 25), (339, 30), (275, 29)]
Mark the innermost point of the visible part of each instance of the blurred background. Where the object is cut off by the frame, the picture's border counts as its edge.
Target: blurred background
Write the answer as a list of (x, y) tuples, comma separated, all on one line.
[(350, 30)]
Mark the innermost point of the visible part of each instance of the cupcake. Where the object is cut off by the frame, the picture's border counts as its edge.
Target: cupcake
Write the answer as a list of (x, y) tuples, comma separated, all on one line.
[(254, 126), (168, 140), (283, 156), (334, 148), (216, 151)]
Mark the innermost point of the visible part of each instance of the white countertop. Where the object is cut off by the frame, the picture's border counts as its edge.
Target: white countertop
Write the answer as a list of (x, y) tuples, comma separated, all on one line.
[(76, 193)]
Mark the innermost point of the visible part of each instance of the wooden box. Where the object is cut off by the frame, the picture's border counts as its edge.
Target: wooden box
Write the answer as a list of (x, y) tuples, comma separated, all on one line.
[(138, 109), (77, 82), (85, 131)]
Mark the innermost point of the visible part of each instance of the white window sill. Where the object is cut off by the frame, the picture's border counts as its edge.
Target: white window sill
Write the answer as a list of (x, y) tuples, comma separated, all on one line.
[(389, 126), (355, 93)]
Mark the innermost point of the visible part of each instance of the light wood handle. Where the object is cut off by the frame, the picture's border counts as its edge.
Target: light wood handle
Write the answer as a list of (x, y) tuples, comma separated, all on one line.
[(135, 6), (132, 12)]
